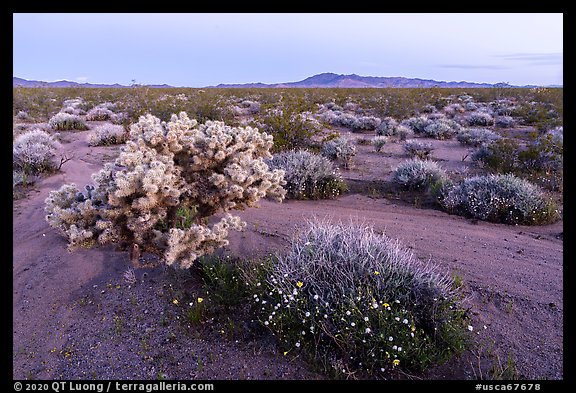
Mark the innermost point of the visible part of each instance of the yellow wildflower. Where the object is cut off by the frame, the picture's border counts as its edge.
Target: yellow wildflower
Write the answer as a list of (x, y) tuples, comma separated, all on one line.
[(376, 272), (395, 362), (175, 301), (386, 305), (200, 300), (299, 284)]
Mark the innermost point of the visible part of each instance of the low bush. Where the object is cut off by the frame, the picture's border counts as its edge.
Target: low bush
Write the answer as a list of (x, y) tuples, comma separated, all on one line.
[(500, 198), (441, 128), (33, 152), (339, 149), (479, 118), (378, 142), (476, 136), (417, 174), (416, 148), (107, 134), (387, 127), (308, 175), (66, 121), (353, 300)]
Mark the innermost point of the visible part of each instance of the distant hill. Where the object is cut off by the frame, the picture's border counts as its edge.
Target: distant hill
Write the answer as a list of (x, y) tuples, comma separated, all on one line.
[(32, 83), (327, 80)]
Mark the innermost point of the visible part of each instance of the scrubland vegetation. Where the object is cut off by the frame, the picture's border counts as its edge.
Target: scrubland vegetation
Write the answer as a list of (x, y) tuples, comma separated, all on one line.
[(345, 297)]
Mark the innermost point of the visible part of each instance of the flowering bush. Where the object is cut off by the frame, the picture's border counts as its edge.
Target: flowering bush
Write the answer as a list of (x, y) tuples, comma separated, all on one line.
[(500, 198), (417, 148), (476, 136), (308, 175), (34, 151), (67, 121), (339, 149), (417, 124), (352, 299), (22, 115), (107, 134), (168, 180), (368, 123), (417, 174)]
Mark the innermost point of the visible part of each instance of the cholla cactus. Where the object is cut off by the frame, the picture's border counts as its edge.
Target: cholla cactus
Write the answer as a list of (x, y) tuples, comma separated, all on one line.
[(164, 172), (339, 149), (34, 151)]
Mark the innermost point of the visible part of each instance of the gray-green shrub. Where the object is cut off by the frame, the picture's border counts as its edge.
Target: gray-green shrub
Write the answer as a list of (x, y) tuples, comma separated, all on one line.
[(339, 149), (500, 198), (417, 174), (476, 136), (107, 134), (34, 151), (416, 148), (66, 121), (350, 298), (308, 175)]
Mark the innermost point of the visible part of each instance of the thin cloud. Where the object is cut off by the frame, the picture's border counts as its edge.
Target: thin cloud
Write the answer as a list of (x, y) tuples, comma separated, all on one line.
[(82, 78), (474, 66), (552, 58)]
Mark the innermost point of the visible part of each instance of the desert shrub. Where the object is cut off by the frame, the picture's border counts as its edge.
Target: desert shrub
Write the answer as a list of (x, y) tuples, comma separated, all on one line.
[(34, 151), (66, 121), (22, 115), (308, 175), (428, 108), (387, 127), (417, 174), (351, 299), (367, 123), (500, 155), (168, 180), (417, 123), (107, 134), (441, 128), (339, 149), (289, 129), (505, 121), (99, 113), (404, 132), (479, 118), (378, 142), (416, 148), (500, 198), (452, 110), (470, 106), (476, 136)]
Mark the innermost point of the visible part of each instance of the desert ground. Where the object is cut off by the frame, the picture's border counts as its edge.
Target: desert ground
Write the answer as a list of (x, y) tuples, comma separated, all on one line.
[(77, 317)]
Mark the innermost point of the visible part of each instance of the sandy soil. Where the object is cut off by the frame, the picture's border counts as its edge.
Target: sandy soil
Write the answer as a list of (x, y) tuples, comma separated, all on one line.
[(75, 316)]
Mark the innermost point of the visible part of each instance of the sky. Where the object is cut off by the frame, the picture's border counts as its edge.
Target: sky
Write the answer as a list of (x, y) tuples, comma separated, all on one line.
[(204, 49)]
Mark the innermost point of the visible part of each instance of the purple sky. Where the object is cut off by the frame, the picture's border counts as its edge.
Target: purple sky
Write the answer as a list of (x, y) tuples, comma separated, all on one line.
[(197, 50)]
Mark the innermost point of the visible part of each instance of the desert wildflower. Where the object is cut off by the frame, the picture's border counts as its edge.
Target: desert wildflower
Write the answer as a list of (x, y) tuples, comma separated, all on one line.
[(376, 272), (298, 344), (395, 362), (200, 300), (368, 330), (175, 301), (386, 305), (470, 328), (299, 284), (390, 338)]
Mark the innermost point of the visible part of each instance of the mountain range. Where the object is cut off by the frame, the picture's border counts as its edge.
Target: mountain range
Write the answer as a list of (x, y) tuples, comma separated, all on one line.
[(325, 80)]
